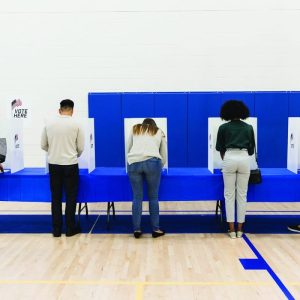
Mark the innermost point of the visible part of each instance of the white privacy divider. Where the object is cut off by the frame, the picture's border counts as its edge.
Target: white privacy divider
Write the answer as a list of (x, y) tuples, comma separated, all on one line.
[(214, 158), (130, 122), (12, 130), (87, 158), (293, 150)]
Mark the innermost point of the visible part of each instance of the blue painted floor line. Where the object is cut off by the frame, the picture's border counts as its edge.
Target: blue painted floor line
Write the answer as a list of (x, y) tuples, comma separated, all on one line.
[(260, 264), (253, 264)]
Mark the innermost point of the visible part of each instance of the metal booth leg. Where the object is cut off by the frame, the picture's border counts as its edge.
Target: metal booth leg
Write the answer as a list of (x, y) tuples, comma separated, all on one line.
[(219, 207), (110, 205), (81, 208)]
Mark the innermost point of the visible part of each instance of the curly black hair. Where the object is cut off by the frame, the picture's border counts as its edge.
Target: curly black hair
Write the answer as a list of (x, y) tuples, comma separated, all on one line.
[(234, 109)]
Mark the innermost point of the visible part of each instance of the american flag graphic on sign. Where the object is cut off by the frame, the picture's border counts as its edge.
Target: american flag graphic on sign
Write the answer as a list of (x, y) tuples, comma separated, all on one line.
[(16, 103)]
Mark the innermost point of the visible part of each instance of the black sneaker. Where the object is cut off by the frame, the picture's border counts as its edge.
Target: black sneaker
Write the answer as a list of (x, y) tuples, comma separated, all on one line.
[(294, 228), (137, 234), (73, 232), (158, 233), (56, 233)]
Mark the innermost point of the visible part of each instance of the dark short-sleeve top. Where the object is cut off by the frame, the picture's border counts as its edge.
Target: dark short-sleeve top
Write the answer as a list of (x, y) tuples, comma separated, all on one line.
[(235, 134)]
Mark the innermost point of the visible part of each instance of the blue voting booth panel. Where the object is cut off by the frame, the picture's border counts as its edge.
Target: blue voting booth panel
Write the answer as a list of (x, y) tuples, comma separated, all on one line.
[(187, 115), (247, 97), (173, 106), (201, 106), (106, 109), (271, 110), (137, 105), (294, 104)]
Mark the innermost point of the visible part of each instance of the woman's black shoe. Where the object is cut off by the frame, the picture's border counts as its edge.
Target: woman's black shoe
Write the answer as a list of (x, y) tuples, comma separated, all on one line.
[(137, 234), (158, 233)]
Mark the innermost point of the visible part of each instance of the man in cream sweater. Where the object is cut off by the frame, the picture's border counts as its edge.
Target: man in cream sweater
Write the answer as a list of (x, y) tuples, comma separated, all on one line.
[(63, 139)]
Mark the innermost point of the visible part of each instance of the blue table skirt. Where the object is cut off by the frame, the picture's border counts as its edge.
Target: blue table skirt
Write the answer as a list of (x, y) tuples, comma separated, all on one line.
[(180, 184)]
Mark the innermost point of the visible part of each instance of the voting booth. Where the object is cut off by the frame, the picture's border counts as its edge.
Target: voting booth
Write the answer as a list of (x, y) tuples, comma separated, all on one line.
[(293, 149), (12, 131), (130, 122), (87, 158), (214, 158)]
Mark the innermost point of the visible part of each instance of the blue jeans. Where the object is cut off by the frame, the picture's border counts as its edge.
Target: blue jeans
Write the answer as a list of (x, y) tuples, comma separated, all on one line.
[(150, 170)]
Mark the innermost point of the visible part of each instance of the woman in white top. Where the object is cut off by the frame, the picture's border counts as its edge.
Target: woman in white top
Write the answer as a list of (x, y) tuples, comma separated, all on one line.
[(146, 155)]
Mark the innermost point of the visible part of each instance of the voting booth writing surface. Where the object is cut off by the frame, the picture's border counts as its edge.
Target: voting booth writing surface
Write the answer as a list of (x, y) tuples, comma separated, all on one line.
[(130, 122), (293, 150), (214, 158), (12, 131)]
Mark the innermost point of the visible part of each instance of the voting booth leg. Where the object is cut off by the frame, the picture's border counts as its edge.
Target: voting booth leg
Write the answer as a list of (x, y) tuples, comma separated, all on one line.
[(81, 208), (110, 205), (220, 208)]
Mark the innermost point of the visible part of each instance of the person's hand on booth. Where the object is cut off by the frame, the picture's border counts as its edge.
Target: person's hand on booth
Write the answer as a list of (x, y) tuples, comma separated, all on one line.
[(1, 168)]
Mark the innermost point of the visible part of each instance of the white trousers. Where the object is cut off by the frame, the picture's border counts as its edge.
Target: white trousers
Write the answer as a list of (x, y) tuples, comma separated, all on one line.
[(236, 172)]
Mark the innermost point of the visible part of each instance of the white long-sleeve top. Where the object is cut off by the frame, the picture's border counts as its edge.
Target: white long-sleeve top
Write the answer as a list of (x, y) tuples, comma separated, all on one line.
[(144, 146), (63, 139)]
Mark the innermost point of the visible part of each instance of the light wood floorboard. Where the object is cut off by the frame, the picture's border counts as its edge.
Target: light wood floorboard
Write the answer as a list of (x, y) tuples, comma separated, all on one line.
[(186, 266), (177, 266)]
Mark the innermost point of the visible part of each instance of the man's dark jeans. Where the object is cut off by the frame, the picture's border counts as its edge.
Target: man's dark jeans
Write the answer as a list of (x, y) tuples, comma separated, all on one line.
[(63, 178)]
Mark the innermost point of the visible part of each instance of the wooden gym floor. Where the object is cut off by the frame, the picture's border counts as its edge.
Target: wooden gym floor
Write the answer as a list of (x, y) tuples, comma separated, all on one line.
[(176, 266)]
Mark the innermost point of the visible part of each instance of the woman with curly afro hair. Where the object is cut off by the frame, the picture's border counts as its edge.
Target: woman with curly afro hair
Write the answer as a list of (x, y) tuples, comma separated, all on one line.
[(235, 141)]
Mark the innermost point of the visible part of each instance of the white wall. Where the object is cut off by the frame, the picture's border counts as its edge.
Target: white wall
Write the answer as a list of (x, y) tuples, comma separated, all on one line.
[(50, 50)]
